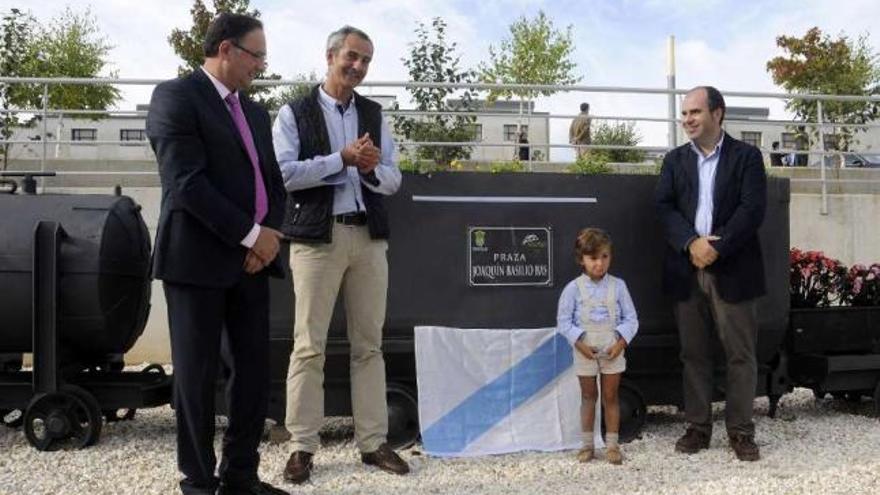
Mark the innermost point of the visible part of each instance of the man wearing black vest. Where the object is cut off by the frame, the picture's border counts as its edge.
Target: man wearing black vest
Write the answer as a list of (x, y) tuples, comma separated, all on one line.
[(335, 149)]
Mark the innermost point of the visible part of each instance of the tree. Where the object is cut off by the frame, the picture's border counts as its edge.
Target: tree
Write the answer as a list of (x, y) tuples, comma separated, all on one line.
[(286, 94), (433, 59), (16, 32), (188, 44), (70, 46), (535, 53), (619, 134), (817, 63)]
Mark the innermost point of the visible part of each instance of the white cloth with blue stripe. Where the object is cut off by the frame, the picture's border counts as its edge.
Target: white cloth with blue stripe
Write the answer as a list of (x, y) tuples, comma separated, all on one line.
[(494, 391)]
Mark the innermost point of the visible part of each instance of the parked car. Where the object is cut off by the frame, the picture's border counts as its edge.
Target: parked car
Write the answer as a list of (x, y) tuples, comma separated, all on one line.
[(862, 160)]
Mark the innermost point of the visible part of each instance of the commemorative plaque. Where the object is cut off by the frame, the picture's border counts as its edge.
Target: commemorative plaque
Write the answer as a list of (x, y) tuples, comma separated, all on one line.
[(505, 256)]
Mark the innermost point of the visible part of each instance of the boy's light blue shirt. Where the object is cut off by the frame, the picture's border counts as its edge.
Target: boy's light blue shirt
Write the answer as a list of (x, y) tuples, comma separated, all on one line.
[(568, 315)]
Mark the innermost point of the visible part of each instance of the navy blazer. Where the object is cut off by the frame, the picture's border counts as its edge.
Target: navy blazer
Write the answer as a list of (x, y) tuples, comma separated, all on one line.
[(740, 200), (208, 182)]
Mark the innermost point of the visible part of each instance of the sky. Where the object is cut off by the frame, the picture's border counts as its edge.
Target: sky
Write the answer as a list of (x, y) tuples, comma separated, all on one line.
[(617, 43)]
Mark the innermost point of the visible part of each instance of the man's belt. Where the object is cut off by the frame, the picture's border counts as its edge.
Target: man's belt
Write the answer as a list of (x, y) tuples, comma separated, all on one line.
[(359, 218)]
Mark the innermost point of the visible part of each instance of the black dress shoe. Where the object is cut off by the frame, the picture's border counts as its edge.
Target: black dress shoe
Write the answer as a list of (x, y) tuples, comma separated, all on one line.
[(299, 467), (258, 488), (386, 459)]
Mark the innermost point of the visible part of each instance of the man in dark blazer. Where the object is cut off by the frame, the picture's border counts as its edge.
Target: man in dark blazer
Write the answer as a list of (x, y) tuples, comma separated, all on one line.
[(711, 198), (222, 198)]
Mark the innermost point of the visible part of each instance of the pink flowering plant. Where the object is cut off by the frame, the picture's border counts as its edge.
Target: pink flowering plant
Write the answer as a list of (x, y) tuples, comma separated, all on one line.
[(816, 280), (862, 286)]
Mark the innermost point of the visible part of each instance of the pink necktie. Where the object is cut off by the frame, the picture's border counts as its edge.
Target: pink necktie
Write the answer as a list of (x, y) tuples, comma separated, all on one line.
[(261, 205)]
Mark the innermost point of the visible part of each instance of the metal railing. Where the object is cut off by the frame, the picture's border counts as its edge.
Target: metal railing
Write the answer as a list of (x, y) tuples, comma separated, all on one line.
[(671, 119)]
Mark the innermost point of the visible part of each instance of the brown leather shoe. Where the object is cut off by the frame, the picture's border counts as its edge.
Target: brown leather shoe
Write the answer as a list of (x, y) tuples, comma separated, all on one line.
[(299, 467), (744, 446), (386, 459), (692, 442), (613, 455), (585, 454)]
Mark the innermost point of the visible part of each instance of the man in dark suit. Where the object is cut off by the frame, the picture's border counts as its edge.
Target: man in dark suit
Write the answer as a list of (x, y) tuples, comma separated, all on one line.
[(711, 198), (222, 198)]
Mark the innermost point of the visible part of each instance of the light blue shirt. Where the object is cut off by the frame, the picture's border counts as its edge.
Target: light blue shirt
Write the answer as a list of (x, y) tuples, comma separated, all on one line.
[(329, 170), (707, 165), (568, 315)]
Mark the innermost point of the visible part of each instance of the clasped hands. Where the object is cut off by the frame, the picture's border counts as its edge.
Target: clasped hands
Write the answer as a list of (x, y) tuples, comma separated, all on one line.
[(361, 153), (264, 250), (595, 353), (702, 252)]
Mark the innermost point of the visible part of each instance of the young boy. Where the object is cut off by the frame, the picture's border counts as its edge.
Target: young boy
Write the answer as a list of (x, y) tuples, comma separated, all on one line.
[(597, 316)]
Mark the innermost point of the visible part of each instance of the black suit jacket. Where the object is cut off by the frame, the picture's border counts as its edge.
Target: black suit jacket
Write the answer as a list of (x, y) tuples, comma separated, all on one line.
[(740, 199), (208, 182)]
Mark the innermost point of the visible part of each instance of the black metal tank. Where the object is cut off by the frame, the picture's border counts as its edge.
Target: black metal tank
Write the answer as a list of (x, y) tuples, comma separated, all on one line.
[(103, 281)]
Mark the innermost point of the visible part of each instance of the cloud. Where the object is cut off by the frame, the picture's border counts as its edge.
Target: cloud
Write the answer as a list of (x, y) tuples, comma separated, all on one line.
[(618, 43)]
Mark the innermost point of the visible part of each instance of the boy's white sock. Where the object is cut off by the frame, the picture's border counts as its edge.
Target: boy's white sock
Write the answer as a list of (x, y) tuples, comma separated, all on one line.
[(611, 439), (587, 439)]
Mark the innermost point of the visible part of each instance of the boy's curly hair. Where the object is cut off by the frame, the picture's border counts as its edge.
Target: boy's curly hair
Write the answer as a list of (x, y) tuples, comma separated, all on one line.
[(590, 241)]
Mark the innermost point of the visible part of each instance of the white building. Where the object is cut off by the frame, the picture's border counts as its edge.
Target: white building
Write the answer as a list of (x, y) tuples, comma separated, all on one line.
[(122, 136)]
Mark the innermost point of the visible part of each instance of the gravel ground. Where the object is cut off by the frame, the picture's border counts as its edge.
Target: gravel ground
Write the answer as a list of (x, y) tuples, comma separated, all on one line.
[(823, 446)]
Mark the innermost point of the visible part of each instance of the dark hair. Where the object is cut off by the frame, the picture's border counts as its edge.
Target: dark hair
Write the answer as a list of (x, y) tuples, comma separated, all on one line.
[(585, 107), (228, 27), (590, 241), (775, 145), (714, 100)]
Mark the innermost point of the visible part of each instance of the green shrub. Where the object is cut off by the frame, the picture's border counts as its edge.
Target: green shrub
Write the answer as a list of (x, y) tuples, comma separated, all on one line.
[(592, 163), (507, 166)]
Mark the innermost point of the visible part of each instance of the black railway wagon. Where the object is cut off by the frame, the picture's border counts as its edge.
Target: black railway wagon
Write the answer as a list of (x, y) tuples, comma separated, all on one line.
[(447, 227), (75, 292)]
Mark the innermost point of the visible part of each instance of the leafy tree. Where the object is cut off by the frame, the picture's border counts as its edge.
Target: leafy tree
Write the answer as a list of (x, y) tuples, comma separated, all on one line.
[(535, 53), (818, 63), (620, 134), (433, 59), (16, 32), (188, 44), (286, 94), (70, 46)]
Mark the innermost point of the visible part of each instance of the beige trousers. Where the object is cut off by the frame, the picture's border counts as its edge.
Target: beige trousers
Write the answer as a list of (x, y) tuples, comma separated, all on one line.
[(359, 266)]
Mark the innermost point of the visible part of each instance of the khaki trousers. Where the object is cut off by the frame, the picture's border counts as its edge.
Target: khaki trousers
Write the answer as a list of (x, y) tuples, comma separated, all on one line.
[(737, 327), (359, 266)]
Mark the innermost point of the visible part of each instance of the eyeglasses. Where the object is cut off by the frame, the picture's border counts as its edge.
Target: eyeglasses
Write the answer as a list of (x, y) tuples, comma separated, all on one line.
[(259, 56)]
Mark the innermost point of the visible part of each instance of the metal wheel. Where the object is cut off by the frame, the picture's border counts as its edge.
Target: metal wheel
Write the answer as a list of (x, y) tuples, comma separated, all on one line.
[(403, 416), (94, 416), (155, 371), (68, 418), (633, 411)]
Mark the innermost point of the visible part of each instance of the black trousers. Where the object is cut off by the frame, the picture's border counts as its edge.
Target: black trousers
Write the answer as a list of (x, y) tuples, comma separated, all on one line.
[(199, 318)]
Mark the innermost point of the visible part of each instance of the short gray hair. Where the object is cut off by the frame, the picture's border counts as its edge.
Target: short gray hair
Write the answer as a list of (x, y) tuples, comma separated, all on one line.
[(337, 38)]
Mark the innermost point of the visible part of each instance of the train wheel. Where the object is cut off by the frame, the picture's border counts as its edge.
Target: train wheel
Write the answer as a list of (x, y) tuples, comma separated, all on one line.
[(68, 418), (93, 418), (155, 370), (403, 416)]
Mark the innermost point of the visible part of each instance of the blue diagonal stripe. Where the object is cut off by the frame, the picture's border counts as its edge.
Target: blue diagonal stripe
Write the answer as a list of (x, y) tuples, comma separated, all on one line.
[(493, 402)]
